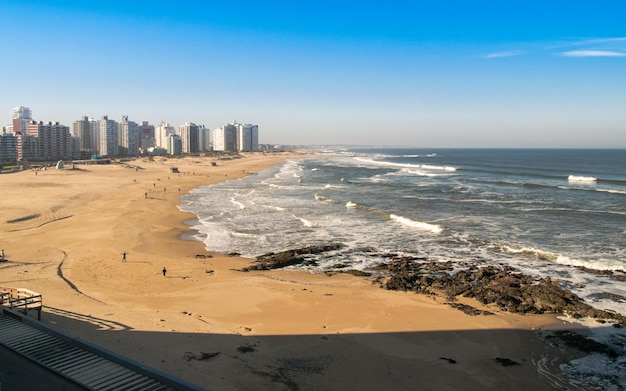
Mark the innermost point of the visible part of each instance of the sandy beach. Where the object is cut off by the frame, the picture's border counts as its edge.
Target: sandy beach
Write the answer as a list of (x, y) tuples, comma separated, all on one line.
[(64, 233)]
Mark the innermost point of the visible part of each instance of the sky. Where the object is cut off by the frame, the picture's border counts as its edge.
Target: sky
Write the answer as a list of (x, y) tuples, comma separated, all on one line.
[(433, 73)]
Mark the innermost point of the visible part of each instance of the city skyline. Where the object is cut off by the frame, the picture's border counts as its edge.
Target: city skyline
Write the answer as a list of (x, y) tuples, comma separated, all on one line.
[(422, 74), (29, 140)]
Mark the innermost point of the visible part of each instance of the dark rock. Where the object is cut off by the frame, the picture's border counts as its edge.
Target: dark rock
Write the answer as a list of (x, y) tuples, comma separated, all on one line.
[(506, 362), (491, 285), (469, 310), (583, 343), (288, 257), (200, 357), (246, 349)]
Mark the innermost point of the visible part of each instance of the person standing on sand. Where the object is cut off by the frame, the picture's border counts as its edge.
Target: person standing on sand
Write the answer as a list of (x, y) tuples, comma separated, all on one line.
[(164, 271), (124, 256)]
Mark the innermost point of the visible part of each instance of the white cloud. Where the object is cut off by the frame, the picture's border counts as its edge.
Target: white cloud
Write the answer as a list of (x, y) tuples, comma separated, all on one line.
[(593, 53), (510, 53), (601, 41)]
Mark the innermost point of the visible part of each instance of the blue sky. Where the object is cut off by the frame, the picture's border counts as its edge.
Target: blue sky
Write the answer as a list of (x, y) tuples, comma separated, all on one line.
[(420, 73)]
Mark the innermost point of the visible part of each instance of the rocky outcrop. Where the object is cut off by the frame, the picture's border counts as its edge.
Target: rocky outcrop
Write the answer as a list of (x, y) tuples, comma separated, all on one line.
[(490, 285), (288, 257)]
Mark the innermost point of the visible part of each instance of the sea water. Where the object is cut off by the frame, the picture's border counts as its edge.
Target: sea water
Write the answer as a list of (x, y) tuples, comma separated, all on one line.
[(543, 212), (548, 213)]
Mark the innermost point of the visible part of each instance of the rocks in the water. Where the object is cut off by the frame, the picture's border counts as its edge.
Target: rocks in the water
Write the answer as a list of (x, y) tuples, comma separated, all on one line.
[(501, 286), (583, 343), (508, 290), (288, 257)]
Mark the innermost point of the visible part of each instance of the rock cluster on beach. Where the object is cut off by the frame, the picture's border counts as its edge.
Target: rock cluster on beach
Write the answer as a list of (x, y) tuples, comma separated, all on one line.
[(288, 257), (499, 286)]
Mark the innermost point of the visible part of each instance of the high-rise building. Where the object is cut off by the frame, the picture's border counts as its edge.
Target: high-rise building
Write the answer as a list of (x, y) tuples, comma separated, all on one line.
[(247, 137), (206, 143), (8, 149), (190, 136), (161, 132), (108, 136), (128, 137), (146, 135), (20, 117), (236, 137), (174, 144), (225, 138), (53, 141), (26, 148), (86, 129)]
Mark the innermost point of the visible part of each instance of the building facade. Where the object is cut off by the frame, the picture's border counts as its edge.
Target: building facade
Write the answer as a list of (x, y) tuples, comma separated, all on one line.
[(86, 129), (236, 137), (225, 138), (161, 132), (20, 119), (53, 141), (146, 135), (128, 137), (247, 137), (174, 144), (108, 137), (190, 136), (8, 149)]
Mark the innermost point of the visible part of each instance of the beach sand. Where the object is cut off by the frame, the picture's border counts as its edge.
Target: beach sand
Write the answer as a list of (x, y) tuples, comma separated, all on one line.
[(64, 233)]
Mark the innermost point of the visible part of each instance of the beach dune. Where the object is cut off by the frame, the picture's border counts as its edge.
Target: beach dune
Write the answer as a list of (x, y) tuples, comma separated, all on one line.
[(94, 241)]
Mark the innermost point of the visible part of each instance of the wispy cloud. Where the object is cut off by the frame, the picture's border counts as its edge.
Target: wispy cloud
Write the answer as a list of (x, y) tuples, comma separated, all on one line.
[(574, 47), (510, 53), (593, 47), (596, 41), (593, 53)]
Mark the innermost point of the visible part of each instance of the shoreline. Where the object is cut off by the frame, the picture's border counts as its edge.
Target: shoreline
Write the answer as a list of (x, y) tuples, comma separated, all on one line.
[(224, 329)]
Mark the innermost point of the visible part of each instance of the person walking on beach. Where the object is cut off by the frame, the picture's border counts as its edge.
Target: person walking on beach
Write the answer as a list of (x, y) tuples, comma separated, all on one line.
[(164, 271), (2, 256), (124, 256)]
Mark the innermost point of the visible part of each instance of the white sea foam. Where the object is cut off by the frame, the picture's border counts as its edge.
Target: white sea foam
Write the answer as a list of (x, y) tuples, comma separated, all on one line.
[(532, 252), (322, 198), (612, 191), (418, 172), (406, 165), (239, 204), (581, 179), (596, 264), (416, 224), (305, 222)]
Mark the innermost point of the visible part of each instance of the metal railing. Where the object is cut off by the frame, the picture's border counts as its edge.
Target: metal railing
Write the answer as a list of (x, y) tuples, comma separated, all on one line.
[(21, 299)]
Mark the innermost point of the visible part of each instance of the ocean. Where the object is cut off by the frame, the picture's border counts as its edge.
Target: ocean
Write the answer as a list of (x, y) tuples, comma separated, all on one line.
[(544, 212)]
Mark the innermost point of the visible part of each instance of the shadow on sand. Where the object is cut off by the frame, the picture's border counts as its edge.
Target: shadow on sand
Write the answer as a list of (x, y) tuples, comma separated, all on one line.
[(443, 360)]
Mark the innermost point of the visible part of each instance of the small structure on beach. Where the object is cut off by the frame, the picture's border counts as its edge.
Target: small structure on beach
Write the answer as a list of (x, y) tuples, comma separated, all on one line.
[(174, 170), (21, 299)]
